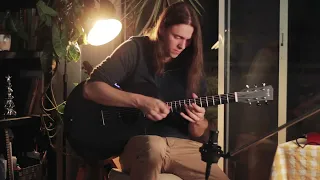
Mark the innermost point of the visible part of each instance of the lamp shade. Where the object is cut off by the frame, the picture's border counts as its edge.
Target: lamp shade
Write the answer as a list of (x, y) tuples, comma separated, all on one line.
[(104, 31)]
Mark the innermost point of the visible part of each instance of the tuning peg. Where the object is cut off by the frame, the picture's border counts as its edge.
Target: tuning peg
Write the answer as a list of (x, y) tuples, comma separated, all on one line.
[(258, 102), (249, 102), (255, 86), (263, 84), (266, 101), (247, 86)]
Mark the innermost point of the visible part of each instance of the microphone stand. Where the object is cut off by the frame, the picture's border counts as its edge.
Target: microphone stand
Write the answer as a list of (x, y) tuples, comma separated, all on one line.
[(211, 152)]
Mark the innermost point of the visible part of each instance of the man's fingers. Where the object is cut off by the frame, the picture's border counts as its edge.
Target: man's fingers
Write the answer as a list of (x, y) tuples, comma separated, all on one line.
[(192, 115), (165, 109), (194, 95), (198, 109), (187, 117), (155, 116)]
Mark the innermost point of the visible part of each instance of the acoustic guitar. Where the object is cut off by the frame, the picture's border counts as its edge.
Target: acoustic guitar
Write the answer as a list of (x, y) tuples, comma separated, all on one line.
[(120, 124)]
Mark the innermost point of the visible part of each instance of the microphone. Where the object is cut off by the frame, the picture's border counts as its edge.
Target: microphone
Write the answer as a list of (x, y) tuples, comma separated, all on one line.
[(211, 152)]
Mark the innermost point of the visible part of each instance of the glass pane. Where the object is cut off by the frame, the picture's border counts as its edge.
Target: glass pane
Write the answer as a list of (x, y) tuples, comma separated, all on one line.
[(303, 66), (254, 59)]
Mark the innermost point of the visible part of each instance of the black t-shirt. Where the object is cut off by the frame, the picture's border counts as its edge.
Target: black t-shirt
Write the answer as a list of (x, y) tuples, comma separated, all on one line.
[(130, 68)]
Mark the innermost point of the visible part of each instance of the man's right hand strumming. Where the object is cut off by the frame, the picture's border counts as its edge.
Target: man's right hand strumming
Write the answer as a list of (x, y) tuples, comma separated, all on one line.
[(154, 109)]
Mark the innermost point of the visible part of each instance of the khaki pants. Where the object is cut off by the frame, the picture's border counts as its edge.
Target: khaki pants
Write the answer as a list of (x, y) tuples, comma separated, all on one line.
[(145, 157)]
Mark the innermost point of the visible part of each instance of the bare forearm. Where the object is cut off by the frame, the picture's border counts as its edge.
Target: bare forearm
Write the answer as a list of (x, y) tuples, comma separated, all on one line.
[(104, 94)]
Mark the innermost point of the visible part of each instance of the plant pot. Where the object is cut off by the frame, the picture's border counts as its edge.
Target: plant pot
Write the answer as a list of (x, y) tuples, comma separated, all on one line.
[(5, 42)]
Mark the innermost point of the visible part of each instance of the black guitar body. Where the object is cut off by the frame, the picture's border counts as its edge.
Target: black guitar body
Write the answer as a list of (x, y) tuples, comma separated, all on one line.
[(96, 131), (100, 132)]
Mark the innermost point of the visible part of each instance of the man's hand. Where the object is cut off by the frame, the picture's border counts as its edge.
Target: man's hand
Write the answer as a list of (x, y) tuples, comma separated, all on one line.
[(195, 114), (153, 108)]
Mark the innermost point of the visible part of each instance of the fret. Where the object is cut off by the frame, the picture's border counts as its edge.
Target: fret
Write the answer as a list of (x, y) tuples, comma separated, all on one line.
[(222, 99), (207, 101), (227, 98), (213, 100), (236, 97)]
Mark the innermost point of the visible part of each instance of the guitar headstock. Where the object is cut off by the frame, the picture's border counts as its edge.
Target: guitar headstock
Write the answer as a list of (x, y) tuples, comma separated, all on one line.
[(87, 67), (256, 94)]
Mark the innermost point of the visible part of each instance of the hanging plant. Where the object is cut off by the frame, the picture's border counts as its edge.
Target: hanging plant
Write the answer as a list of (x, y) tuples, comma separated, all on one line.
[(63, 19), (137, 10)]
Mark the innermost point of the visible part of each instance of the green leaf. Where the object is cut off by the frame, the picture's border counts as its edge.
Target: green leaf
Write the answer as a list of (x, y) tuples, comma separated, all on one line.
[(195, 7), (134, 4), (48, 20), (59, 41), (82, 39), (78, 31), (77, 8), (43, 9), (12, 25), (140, 12), (22, 34), (73, 53), (156, 11), (170, 2), (17, 26), (75, 35), (134, 9), (199, 4)]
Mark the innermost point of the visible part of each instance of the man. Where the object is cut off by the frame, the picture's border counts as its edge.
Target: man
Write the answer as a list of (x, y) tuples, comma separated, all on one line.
[(164, 65)]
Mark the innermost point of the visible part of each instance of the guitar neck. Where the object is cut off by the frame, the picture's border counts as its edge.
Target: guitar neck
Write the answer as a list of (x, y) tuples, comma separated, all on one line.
[(205, 101)]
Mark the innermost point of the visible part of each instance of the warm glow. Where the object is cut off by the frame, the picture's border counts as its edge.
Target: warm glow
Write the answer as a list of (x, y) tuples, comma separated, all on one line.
[(104, 31)]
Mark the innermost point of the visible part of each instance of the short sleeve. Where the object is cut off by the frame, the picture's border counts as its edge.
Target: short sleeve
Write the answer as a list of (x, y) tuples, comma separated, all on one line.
[(118, 66)]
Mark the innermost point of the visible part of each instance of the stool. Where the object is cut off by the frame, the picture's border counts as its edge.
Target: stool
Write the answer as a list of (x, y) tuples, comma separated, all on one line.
[(117, 174)]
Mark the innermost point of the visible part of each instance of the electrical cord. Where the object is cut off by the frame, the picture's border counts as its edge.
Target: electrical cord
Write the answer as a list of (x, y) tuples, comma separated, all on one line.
[(49, 125)]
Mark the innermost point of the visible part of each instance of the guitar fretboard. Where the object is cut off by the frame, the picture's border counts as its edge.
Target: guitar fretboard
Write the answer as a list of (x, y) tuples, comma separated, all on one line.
[(205, 101)]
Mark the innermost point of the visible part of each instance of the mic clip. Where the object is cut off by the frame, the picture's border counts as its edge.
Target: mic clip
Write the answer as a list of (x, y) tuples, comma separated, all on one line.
[(211, 152)]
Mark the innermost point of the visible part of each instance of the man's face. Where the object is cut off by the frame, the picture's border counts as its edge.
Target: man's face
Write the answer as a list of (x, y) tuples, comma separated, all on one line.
[(177, 38)]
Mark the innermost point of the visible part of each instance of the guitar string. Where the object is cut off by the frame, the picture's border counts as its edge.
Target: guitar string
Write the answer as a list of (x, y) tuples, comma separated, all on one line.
[(220, 97), (176, 104), (197, 100)]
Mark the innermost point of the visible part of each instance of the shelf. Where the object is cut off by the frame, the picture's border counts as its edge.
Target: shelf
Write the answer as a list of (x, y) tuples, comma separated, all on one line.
[(16, 121), (17, 4), (19, 55)]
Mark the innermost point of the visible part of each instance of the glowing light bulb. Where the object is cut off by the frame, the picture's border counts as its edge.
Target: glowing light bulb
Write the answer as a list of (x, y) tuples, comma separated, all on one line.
[(104, 31)]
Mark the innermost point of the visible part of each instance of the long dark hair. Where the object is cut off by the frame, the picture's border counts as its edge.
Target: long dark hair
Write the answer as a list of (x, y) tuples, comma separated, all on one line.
[(180, 13)]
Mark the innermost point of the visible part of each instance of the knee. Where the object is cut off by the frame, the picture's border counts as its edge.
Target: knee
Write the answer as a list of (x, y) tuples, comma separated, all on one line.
[(152, 149)]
